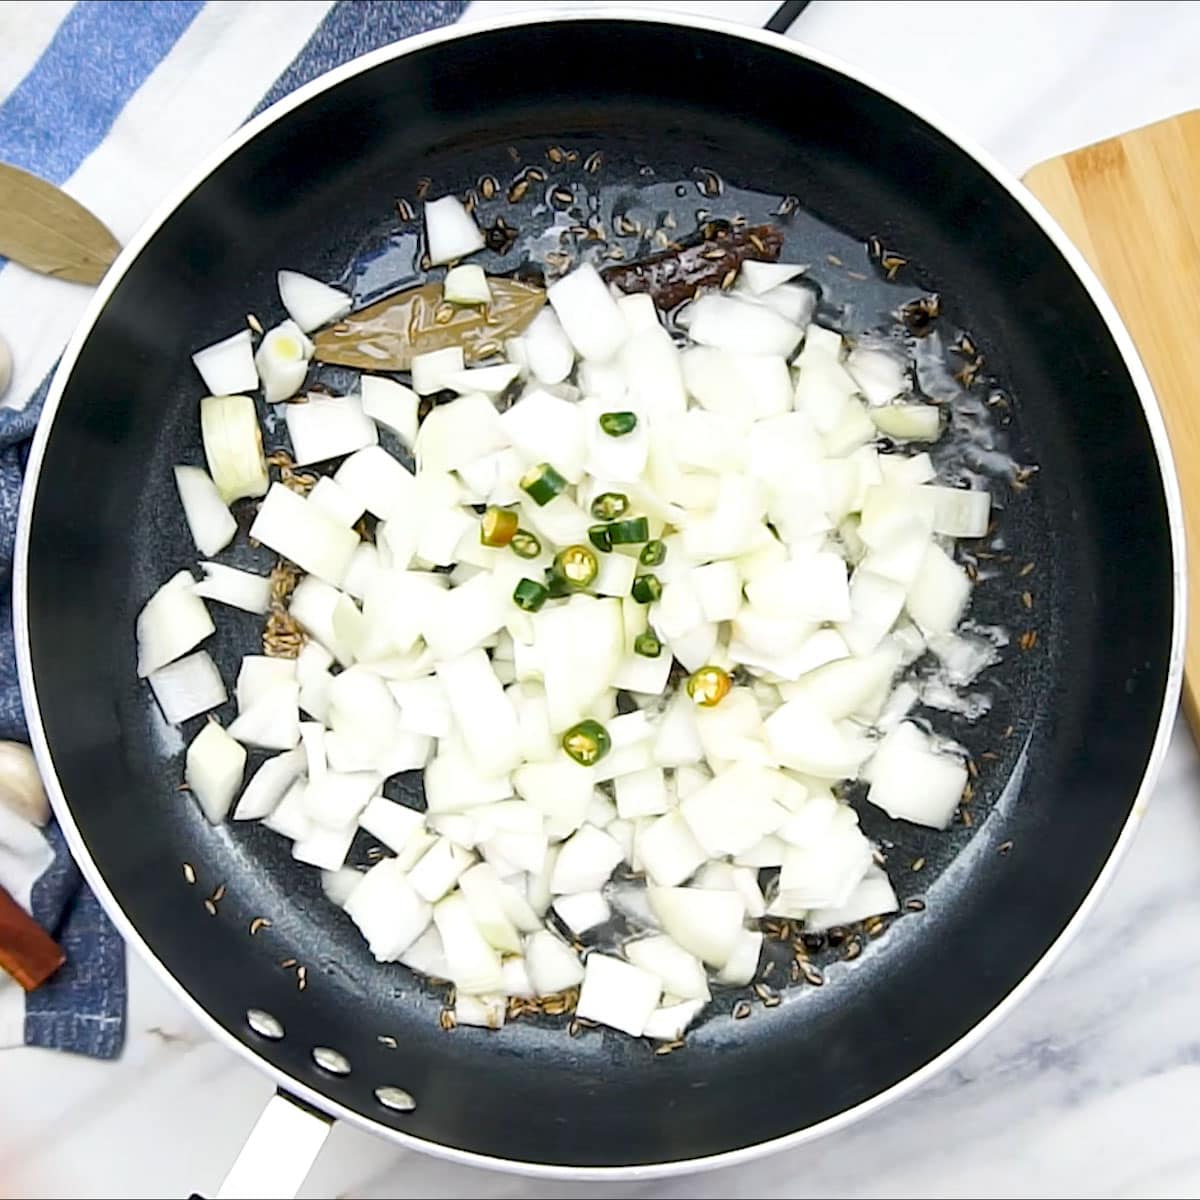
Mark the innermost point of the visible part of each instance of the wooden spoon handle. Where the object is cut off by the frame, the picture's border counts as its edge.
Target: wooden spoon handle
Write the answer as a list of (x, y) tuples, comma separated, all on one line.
[(27, 952)]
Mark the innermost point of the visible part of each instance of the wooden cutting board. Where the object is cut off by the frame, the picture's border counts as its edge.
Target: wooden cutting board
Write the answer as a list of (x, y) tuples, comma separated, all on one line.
[(1132, 206)]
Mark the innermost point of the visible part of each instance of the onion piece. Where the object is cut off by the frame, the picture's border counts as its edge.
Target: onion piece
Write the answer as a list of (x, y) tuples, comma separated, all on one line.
[(804, 738), (912, 782), (873, 897), (560, 790), (939, 594), (339, 797), (543, 428), (653, 371), (880, 374), (875, 604), (463, 618), (213, 770), (669, 1022), (187, 687), (581, 911), (547, 349), (324, 848), (474, 965), (824, 872), (760, 277), (172, 622), (438, 869), (490, 381), (742, 965), (282, 361), (309, 302), (377, 481), (227, 367), (258, 674), (458, 433), (233, 446), (325, 427), (450, 231), (585, 861), (552, 965), (705, 923), (589, 315), (301, 532), (338, 885), (289, 818), (680, 973), (335, 501), (388, 913), (268, 785), (466, 285), (908, 422), (452, 784), (668, 850), (728, 323), (485, 1012), (209, 521), (641, 793), (741, 385), (394, 825), (960, 512), (812, 587), (239, 589), (391, 405), (617, 994), (733, 811), (484, 716), (273, 721)]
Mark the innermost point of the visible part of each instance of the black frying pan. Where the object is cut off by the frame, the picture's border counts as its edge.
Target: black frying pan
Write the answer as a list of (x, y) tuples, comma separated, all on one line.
[(1080, 715)]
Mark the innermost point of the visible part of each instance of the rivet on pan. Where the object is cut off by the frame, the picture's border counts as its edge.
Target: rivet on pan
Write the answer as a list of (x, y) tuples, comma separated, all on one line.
[(331, 1060), (397, 1099), (264, 1024)]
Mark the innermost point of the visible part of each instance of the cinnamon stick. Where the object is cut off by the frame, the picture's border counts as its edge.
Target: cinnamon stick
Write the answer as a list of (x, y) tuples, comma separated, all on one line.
[(27, 952)]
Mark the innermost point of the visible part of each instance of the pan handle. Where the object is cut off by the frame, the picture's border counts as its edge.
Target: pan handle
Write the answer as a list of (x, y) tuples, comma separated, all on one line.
[(279, 1153)]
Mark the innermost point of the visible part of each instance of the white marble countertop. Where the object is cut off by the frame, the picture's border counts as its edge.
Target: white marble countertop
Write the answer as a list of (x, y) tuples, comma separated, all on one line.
[(1088, 1090)]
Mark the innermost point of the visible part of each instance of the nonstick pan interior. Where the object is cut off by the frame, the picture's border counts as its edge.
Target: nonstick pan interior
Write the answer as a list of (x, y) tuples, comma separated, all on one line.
[(1060, 756)]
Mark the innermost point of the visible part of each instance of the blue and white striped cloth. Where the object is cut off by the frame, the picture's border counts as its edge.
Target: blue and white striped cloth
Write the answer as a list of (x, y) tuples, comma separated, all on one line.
[(115, 100)]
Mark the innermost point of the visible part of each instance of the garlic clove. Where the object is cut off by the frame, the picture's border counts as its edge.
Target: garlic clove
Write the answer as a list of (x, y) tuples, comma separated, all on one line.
[(21, 788)]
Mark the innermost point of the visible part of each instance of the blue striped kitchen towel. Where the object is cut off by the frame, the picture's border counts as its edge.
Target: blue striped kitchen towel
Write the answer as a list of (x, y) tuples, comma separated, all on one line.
[(115, 100)]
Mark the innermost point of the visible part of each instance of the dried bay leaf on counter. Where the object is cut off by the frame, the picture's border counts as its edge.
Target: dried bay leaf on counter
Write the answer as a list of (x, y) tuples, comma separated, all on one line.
[(44, 229), (386, 335)]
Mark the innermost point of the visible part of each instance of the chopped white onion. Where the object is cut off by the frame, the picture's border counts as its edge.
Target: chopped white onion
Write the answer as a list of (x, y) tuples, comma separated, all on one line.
[(912, 782), (387, 911), (209, 520), (873, 897), (581, 911), (172, 622), (258, 674), (450, 231), (301, 532), (588, 313), (239, 589), (474, 965), (552, 965), (233, 446), (391, 405), (227, 367), (325, 427), (272, 722), (268, 785), (309, 302), (705, 923), (282, 361), (466, 285), (617, 994), (187, 687), (213, 770), (760, 277), (680, 973)]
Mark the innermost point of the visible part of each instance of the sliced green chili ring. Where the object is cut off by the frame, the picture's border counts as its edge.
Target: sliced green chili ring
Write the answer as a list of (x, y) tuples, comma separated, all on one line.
[(647, 645), (576, 566), (608, 506), (598, 536), (530, 595), (524, 544), (708, 686), (653, 553), (542, 483), (618, 424), (630, 532), (587, 743), (498, 526), (646, 589)]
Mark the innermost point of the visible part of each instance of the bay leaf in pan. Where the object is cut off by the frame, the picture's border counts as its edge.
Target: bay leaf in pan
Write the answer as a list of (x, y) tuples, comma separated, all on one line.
[(387, 334), (44, 229)]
